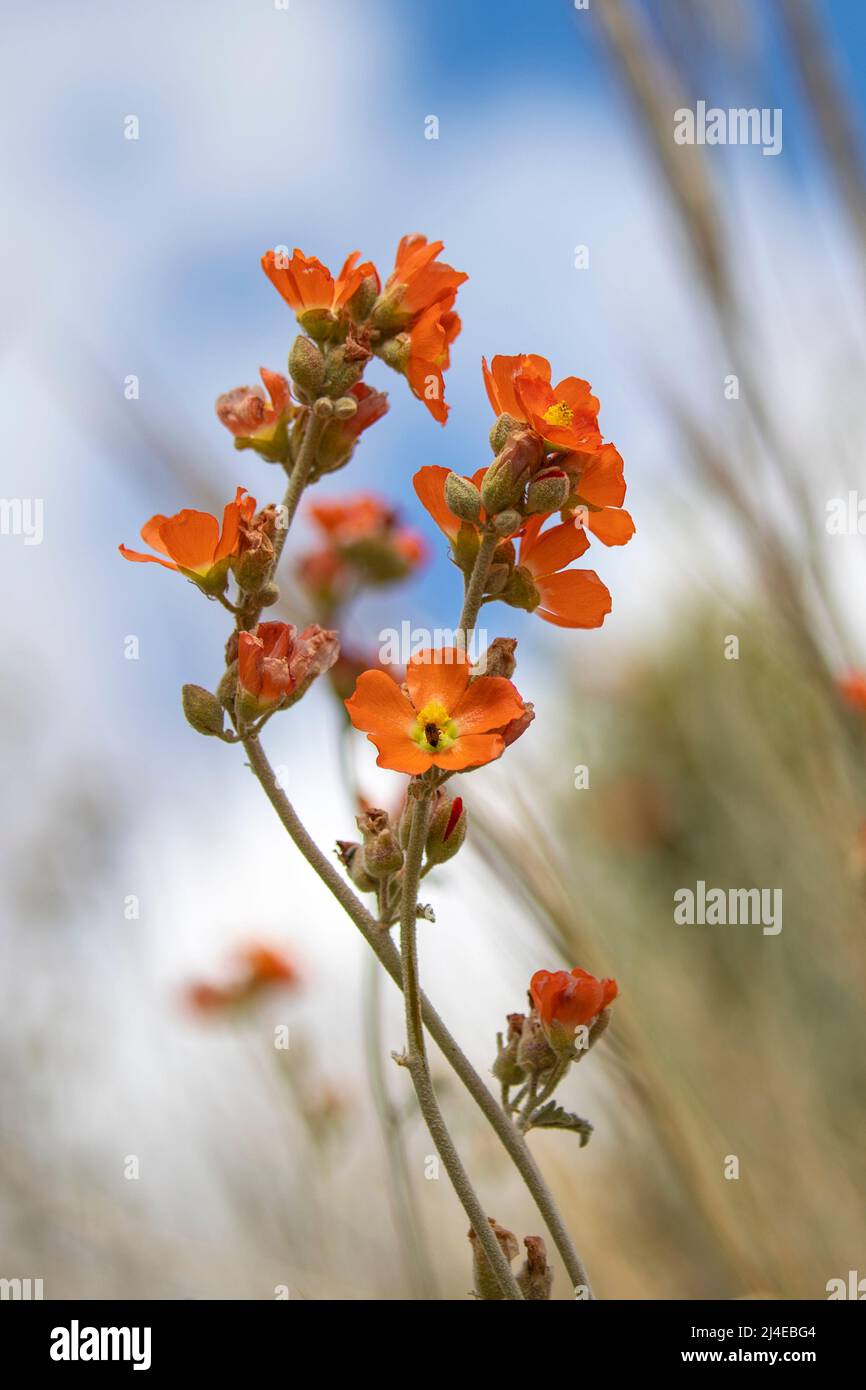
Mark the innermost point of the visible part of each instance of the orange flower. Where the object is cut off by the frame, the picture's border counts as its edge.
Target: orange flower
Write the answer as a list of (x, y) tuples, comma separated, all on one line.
[(566, 598), (194, 544), (256, 421), (307, 285), (566, 415), (416, 316), (599, 491), (566, 1002), (275, 662), (440, 718), (417, 282), (852, 688)]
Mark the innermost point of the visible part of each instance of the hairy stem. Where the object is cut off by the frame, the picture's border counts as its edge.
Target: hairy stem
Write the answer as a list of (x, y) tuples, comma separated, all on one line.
[(298, 478), (416, 1052), (413, 1243), (475, 586), (381, 944)]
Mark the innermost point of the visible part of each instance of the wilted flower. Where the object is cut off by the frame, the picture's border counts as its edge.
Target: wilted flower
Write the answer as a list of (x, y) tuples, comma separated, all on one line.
[(256, 421), (276, 663)]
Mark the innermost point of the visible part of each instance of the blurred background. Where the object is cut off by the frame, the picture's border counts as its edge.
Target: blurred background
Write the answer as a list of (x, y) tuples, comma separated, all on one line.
[(151, 1146)]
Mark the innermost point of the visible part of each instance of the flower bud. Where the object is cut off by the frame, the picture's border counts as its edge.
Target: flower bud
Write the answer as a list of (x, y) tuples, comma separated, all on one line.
[(360, 305), (497, 578), (203, 710), (507, 523), (319, 323), (498, 659), (382, 853), (505, 425), (252, 567), (534, 1053), (521, 590), (395, 352), (228, 686), (506, 1068), (462, 497), (535, 1278), (510, 471), (548, 491), (447, 829), (345, 407), (464, 547), (323, 408), (345, 368), (268, 595), (351, 856), (486, 1283), (306, 365)]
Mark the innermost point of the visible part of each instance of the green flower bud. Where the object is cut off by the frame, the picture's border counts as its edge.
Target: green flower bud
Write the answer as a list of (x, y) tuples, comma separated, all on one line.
[(505, 425), (203, 710), (548, 491), (507, 523), (464, 547), (394, 352), (346, 407), (521, 590), (462, 497), (306, 365)]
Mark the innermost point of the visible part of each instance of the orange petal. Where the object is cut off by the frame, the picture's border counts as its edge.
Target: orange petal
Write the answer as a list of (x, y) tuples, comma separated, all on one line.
[(242, 508), (601, 483), (612, 525), (438, 674), (574, 598), (490, 702), (471, 750), (577, 395), (145, 559), (378, 703), (499, 379), (191, 538), (150, 533), (400, 754), (429, 483), (554, 549)]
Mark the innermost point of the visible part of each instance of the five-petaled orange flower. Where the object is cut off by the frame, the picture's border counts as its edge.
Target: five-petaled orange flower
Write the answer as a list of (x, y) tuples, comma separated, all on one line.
[(567, 598), (306, 284), (418, 303), (440, 718), (566, 1002), (566, 415), (275, 660), (193, 543)]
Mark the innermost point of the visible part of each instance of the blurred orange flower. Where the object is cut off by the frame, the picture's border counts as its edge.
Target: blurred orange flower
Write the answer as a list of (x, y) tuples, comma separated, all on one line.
[(566, 1001), (364, 543), (439, 718), (852, 688), (193, 543), (306, 284), (259, 968), (566, 415)]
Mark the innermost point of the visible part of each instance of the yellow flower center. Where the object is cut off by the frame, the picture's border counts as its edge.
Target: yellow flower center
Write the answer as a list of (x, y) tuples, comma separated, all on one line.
[(434, 729), (559, 414)]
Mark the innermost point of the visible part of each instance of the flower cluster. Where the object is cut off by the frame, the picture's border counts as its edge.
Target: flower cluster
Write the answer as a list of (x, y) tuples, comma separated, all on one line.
[(515, 527)]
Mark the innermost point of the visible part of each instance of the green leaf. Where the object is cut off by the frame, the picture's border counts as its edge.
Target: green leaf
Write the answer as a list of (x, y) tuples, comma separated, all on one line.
[(552, 1116)]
